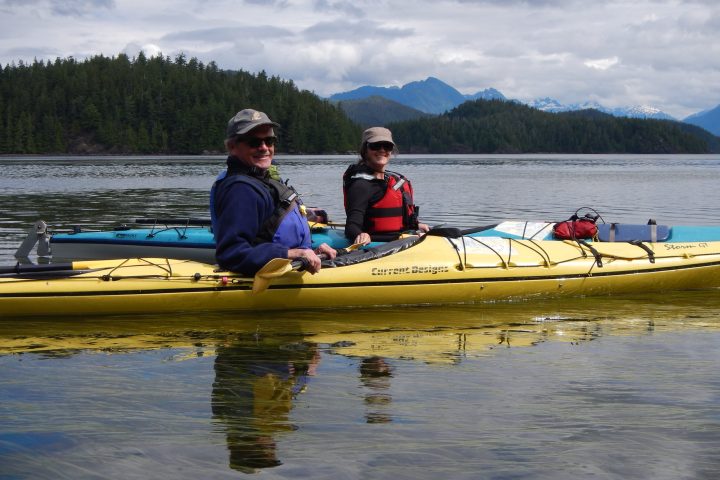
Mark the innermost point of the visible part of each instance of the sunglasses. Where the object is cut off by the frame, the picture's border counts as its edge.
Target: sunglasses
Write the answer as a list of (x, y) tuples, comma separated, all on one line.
[(255, 142), (387, 146)]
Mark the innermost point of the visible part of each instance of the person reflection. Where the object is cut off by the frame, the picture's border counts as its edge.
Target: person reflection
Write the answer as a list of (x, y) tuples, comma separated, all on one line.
[(375, 374), (256, 380)]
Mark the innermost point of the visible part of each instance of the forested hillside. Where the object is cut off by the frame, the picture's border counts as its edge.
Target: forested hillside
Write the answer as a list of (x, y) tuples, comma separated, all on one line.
[(378, 111), (120, 105), (494, 126), (154, 105)]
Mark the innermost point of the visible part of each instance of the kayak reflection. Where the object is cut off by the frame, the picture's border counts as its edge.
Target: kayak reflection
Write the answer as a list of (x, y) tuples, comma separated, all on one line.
[(263, 363), (256, 380)]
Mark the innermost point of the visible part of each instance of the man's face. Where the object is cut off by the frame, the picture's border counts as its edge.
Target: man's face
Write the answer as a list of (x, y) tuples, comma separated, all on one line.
[(260, 156)]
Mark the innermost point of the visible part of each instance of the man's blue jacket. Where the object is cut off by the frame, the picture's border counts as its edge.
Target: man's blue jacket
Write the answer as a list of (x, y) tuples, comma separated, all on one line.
[(252, 225)]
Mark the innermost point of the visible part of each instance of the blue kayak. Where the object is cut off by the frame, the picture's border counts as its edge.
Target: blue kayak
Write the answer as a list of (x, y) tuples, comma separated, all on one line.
[(193, 240)]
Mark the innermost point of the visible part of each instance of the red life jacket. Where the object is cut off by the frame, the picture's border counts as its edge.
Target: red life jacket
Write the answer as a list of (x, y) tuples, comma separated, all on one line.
[(395, 211)]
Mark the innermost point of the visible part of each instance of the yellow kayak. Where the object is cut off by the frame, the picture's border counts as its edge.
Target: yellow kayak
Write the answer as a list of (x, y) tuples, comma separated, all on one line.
[(410, 271)]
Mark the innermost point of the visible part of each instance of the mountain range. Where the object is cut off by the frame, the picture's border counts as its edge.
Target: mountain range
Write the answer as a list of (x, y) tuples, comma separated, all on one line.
[(707, 119), (433, 96), (430, 95)]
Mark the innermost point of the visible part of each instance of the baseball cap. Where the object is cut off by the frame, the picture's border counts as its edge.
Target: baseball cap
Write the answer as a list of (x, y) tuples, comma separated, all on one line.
[(247, 119)]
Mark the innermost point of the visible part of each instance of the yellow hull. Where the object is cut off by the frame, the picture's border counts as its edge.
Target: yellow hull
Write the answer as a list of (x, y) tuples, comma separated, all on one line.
[(436, 270)]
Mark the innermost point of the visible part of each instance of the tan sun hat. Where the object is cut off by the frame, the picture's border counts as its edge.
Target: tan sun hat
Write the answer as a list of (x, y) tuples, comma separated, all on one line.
[(377, 134)]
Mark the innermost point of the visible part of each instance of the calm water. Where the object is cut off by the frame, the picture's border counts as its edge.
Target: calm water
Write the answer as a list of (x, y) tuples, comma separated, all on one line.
[(621, 387)]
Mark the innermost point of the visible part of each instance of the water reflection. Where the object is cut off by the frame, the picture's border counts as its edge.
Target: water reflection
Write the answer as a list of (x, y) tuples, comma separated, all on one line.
[(375, 375), (443, 334), (256, 381), (428, 334), (264, 364)]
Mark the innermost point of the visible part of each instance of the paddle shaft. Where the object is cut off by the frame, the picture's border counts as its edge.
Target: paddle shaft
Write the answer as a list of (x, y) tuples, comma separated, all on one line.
[(454, 232), (302, 263), (32, 268), (204, 222)]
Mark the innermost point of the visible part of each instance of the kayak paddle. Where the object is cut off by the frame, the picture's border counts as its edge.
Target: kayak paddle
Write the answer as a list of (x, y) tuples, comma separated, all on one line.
[(50, 267), (277, 267)]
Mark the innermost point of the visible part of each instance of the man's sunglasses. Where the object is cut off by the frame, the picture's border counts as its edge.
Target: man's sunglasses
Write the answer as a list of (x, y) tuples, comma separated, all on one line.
[(387, 146), (255, 142)]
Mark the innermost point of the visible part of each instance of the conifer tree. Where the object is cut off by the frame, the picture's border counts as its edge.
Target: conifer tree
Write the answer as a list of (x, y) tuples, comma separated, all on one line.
[(149, 105)]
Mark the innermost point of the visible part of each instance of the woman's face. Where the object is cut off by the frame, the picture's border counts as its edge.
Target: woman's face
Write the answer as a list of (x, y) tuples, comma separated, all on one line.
[(377, 155)]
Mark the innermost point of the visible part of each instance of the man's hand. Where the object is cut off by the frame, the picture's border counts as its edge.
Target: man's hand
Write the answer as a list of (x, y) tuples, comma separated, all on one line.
[(327, 251), (311, 258)]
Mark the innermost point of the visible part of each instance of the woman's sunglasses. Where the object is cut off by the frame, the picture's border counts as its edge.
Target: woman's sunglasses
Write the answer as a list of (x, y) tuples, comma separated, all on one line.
[(255, 142), (387, 146)]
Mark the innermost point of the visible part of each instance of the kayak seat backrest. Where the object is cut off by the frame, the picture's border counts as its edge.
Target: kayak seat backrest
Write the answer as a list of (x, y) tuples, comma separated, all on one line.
[(622, 232), (371, 253), (316, 215)]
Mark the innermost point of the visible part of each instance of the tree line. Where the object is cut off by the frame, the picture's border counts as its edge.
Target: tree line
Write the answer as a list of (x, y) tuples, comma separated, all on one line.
[(154, 105), (159, 105), (496, 126)]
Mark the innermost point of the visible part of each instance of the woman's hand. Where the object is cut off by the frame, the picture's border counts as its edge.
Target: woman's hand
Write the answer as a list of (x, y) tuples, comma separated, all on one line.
[(423, 228), (363, 239)]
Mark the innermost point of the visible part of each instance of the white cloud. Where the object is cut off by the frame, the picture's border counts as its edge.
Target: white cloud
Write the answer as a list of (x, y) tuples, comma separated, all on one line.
[(663, 52), (149, 50), (602, 63)]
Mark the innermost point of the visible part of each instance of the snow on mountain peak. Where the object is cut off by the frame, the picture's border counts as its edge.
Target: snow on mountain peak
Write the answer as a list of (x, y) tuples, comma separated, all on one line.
[(548, 104)]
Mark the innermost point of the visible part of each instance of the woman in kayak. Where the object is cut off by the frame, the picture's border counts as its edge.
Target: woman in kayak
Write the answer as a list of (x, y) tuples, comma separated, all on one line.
[(379, 203)]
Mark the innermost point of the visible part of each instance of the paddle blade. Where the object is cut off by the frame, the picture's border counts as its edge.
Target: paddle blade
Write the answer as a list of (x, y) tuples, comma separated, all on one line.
[(350, 248), (277, 267)]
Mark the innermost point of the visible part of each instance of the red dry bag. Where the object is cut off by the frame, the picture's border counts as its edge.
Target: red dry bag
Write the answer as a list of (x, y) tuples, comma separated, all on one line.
[(575, 229)]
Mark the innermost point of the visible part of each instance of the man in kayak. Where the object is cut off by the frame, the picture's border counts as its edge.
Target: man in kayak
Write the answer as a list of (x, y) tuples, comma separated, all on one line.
[(378, 203), (256, 218)]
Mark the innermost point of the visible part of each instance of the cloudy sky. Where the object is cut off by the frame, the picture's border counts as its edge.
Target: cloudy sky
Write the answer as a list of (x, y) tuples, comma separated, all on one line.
[(662, 53)]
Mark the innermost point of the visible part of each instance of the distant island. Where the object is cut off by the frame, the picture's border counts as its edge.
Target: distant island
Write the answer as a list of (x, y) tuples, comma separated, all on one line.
[(496, 126), (159, 105), (154, 105)]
